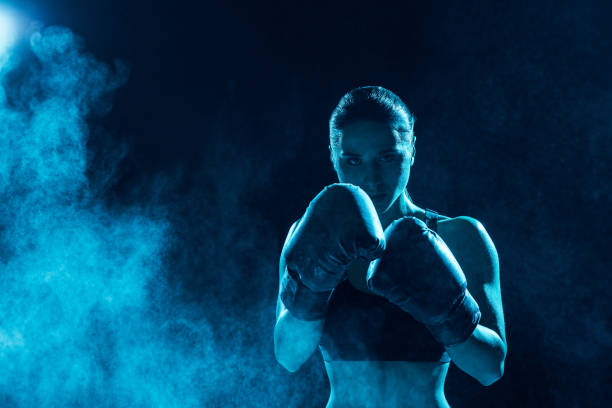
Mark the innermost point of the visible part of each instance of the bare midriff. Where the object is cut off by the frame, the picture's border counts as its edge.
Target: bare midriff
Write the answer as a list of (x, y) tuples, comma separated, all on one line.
[(388, 384)]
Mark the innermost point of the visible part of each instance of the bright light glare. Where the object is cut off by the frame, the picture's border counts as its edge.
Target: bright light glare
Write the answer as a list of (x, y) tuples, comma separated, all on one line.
[(8, 30)]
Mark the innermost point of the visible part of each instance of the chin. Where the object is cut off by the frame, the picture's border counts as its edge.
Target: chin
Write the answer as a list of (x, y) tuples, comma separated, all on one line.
[(385, 205), (382, 208)]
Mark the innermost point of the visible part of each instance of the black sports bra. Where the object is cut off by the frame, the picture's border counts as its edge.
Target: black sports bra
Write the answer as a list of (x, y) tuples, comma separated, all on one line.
[(360, 326)]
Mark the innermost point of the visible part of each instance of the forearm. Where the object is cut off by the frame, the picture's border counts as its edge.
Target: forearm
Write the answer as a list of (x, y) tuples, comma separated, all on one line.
[(481, 356), (295, 339)]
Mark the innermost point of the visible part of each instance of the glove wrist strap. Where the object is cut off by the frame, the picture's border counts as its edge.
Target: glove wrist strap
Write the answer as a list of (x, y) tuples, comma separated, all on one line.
[(300, 300), (460, 322)]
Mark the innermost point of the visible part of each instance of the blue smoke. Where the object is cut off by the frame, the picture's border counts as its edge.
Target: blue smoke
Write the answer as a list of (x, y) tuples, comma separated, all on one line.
[(87, 316)]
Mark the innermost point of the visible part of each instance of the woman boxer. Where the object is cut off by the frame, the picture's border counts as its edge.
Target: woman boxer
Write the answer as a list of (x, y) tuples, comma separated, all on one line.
[(388, 291)]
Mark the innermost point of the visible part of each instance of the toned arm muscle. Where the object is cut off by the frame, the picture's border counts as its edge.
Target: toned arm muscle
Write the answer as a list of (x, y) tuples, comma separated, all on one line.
[(483, 354)]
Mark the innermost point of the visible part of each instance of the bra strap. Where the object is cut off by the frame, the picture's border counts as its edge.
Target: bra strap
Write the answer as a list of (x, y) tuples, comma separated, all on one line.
[(431, 219)]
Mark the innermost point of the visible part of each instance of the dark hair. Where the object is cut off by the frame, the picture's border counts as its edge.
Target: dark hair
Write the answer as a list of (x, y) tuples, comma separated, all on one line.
[(373, 103)]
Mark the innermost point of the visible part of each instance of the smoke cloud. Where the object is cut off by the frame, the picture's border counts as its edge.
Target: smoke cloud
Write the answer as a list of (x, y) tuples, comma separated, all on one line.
[(91, 314)]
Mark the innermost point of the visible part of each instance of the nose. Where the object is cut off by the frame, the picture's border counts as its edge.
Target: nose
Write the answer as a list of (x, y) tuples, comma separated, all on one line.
[(372, 179)]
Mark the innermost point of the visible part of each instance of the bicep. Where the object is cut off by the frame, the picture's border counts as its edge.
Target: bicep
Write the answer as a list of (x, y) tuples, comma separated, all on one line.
[(480, 264)]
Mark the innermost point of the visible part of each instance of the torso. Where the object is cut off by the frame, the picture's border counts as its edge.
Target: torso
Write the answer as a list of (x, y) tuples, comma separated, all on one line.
[(388, 383)]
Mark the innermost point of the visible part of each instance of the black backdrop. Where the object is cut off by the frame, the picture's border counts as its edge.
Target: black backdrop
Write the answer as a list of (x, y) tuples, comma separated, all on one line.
[(513, 103)]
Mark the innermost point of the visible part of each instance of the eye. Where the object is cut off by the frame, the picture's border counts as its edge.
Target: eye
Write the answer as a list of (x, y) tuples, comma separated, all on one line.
[(353, 161), (389, 157)]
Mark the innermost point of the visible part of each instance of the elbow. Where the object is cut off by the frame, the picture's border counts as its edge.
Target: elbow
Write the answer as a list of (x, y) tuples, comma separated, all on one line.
[(289, 366), (493, 376), (295, 340), (283, 358), (286, 355)]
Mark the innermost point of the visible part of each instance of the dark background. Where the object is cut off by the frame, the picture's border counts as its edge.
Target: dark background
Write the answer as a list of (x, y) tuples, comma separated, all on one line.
[(513, 103)]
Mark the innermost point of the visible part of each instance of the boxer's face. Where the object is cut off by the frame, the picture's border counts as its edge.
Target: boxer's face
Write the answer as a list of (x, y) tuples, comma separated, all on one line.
[(375, 157)]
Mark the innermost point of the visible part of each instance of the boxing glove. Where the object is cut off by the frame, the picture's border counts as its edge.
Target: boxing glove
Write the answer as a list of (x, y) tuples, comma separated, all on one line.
[(339, 226), (418, 273)]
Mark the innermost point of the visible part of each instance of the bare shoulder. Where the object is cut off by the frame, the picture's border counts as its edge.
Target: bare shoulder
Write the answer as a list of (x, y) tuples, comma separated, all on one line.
[(463, 221), (467, 235), (470, 243)]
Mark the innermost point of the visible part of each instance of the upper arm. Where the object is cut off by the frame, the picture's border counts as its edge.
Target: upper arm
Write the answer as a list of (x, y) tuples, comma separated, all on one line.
[(281, 269), (479, 261)]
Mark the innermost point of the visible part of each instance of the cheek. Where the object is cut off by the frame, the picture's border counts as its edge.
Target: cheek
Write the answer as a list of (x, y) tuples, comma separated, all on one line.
[(347, 173), (396, 171), (398, 175)]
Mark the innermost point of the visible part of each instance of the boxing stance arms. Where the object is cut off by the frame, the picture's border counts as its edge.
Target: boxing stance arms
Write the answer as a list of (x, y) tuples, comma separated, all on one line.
[(419, 273), (339, 226)]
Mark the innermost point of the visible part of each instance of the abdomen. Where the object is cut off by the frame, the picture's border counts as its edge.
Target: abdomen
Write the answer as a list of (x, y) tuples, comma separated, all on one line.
[(386, 384)]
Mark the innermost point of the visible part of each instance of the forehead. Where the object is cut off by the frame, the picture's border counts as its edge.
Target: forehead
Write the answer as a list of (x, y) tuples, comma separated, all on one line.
[(368, 136)]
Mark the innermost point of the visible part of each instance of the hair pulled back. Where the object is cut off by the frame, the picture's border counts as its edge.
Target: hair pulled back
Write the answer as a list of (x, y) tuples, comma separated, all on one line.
[(373, 103)]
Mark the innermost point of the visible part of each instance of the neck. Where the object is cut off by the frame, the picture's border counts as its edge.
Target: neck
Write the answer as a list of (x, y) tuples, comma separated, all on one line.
[(401, 207)]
